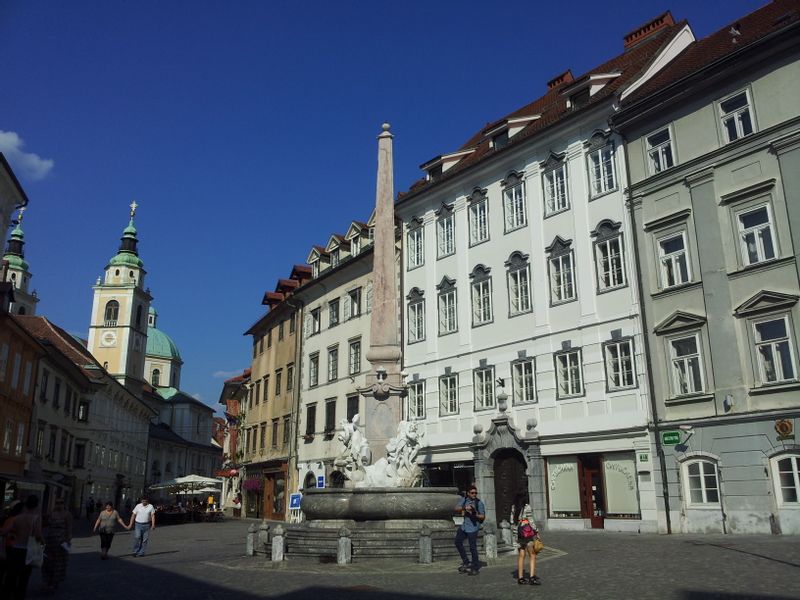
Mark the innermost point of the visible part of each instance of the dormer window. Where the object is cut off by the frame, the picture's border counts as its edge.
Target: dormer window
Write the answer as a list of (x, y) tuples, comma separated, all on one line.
[(355, 245), (580, 99), (315, 268), (500, 140), (435, 173), (335, 257)]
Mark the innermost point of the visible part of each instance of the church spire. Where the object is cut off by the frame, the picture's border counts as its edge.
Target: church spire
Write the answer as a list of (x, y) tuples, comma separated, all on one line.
[(18, 273), (128, 253)]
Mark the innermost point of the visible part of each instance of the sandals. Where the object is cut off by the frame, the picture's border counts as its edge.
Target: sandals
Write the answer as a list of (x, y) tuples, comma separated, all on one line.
[(522, 581), (535, 580)]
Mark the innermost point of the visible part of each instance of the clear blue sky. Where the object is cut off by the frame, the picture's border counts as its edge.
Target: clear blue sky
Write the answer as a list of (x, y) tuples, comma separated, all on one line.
[(246, 131)]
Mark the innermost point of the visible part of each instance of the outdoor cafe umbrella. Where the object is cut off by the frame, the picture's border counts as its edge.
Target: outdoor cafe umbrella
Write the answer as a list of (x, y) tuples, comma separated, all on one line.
[(190, 484)]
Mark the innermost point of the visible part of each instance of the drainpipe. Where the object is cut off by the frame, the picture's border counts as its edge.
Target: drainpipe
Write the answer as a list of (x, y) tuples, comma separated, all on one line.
[(662, 462)]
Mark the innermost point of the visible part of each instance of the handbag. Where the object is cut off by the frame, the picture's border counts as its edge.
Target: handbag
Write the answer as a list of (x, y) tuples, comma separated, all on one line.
[(35, 554), (538, 545)]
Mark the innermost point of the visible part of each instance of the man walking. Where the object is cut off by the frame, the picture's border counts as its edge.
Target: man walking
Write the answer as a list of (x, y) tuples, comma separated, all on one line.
[(144, 519), (474, 513)]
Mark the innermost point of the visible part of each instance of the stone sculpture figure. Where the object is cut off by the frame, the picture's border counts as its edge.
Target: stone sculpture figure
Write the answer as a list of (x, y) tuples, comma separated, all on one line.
[(356, 454)]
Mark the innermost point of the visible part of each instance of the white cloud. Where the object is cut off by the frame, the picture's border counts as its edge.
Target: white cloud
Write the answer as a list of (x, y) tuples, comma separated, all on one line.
[(28, 164), (225, 374)]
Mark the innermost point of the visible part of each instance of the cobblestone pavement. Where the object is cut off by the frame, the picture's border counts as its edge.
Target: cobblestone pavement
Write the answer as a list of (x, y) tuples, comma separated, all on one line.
[(205, 561)]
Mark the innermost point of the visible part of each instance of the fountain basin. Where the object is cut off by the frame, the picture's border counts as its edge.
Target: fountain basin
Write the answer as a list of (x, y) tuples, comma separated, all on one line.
[(380, 504)]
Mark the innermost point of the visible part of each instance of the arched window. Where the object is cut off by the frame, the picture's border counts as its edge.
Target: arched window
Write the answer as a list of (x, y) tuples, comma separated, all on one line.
[(112, 313), (310, 481), (786, 475), (701, 482), (156, 378), (21, 310)]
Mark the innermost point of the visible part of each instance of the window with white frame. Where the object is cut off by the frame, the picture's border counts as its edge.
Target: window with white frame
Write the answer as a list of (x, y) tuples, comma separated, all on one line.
[(755, 234), (445, 232), (514, 202), (619, 364), (481, 295), (335, 257), (416, 400), (736, 116), (674, 260), (787, 482), (562, 271), (313, 370), (569, 373), (448, 395), (448, 322), (687, 365), (333, 363), (416, 244), (355, 245), (333, 313), (354, 357), (354, 303), (659, 151), (776, 362), (315, 321), (315, 268), (484, 388), (523, 381), (609, 257), (602, 173), (478, 217), (554, 182), (416, 316), (519, 285), (702, 482)]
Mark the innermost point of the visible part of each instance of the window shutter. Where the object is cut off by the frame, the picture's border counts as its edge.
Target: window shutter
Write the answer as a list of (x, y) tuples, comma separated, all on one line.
[(307, 325), (347, 306), (369, 297)]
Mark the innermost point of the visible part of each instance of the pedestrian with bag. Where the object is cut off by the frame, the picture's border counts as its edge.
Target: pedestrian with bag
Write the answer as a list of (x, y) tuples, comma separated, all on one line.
[(26, 550), (57, 544), (143, 518), (529, 544), (106, 523), (474, 512)]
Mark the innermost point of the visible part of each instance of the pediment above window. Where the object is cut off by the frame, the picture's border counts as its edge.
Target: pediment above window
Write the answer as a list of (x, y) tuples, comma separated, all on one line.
[(513, 178), (678, 321), (477, 195), (415, 223), (516, 260), (598, 140), (765, 301), (559, 246), (606, 229), (480, 272), (334, 242), (444, 210), (446, 284), (415, 294), (553, 161)]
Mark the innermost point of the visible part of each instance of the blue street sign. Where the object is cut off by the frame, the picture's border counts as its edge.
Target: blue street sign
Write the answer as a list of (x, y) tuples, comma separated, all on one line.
[(321, 481), (294, 501)]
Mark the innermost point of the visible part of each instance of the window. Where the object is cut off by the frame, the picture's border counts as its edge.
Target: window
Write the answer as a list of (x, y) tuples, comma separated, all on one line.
[(354, 354), (156, 378), (39, 441), (523, 381), (562, 271), (266, 390), (313, 370), (4, 364), (478, 217), (735, 115), (602, 176), (111, 314), (263, 436), (26, 379), (354, 302), (278, 377), (619, 364), (257, 392), (659, 151), (756, 237), (774, 350), (57, 393), (484, 388), (416, 400), (289, 377), (416, 316), (20, 439), (674, 262), (554, 180), (787, 483), (315, 269), (514, 202), (352, 406), (330, 416), (314, 321), (291, 324), (519, 286), (269, 337), (355, 245), (15, 371), (569, 374), (687, 375), (274, 433), (333, 313), (83, 412), (609, 257), (7, 436), (445, 232), (448, 322), (280, 331), (286, 429), (448, 395), (333, 363), (481, 296), (702, 482), (335, 257), (416, 244)]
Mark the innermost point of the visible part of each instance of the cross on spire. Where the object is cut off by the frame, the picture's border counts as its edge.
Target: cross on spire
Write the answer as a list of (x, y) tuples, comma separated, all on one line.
[(21, 213), (133, 206)]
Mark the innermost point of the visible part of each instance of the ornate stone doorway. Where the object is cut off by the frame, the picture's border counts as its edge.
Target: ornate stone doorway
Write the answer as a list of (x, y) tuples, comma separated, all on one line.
[(510, 484)]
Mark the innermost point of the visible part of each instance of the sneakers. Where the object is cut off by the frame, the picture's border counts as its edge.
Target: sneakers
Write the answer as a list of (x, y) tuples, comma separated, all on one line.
[(535, 580), (522, 581), (463, 569)]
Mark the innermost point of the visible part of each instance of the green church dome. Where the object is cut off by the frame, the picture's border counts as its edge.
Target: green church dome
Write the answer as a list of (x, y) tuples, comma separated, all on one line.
[(161, 345)]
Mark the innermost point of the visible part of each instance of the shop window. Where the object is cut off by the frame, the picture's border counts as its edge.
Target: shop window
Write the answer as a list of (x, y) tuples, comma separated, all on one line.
[(562, 480)]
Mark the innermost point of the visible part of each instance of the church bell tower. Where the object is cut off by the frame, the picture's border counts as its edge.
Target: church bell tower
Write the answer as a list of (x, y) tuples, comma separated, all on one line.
[(18, 274)]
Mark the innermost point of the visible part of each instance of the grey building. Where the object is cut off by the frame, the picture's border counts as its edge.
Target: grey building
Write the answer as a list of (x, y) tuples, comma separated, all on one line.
[(713, 151)]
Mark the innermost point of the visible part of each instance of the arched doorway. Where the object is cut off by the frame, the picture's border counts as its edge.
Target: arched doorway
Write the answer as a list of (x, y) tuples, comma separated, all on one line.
[(510, 484), (310, 482)]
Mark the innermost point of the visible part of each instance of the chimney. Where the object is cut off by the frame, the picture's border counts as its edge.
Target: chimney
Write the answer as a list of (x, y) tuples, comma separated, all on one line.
[(565, 77), (645, 31)]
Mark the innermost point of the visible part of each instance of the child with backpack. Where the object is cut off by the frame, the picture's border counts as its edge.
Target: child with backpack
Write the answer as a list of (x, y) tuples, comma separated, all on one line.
[(527, 538)]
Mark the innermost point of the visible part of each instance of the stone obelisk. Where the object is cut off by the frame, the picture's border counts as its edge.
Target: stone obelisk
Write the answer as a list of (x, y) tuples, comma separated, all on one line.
[(385, 390)]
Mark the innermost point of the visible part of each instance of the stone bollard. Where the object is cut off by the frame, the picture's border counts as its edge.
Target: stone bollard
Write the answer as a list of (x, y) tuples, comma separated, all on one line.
[(262, 538), (490, 541), (506, 537), (425, 546), (250, 546), (344, 552), (278, 544)]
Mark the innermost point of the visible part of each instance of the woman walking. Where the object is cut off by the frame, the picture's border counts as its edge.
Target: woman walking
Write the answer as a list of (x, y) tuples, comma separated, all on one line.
[(57, 539), (106, 524), (21, 527)]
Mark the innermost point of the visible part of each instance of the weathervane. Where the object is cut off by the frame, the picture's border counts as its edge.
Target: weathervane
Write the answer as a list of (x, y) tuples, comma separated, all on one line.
[(134, 206)]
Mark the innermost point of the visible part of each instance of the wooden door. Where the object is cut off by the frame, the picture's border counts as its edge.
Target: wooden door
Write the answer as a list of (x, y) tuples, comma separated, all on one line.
[(275, 496), (592, 490), (510, 484)]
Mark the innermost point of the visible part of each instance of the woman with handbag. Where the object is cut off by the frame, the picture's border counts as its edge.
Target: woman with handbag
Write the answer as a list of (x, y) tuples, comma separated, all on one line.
[(106, 522), (28, 540), (58, 537), (529, 544)]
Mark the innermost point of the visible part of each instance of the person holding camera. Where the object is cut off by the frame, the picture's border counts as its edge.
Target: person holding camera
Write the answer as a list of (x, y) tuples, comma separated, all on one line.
[(474, 513)]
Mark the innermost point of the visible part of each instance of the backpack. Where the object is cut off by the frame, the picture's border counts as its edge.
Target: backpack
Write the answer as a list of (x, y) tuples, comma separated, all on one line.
[(526, 532)]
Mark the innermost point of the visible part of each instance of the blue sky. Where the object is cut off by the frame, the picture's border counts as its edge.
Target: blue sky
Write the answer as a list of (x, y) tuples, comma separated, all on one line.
[(246, 131)]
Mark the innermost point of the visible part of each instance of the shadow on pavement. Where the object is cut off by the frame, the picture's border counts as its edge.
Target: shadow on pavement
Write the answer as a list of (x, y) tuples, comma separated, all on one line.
[(697, 595)]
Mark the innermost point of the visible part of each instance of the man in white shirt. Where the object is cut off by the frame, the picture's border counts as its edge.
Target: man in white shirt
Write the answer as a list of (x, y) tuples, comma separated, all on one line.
[(144, 518)]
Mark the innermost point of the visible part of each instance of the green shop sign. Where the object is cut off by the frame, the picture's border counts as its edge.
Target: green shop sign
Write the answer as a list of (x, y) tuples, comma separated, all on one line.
[(670, 438)]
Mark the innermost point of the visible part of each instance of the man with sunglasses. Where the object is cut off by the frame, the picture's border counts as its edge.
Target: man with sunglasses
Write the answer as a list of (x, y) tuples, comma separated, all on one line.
[(474, 513)]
